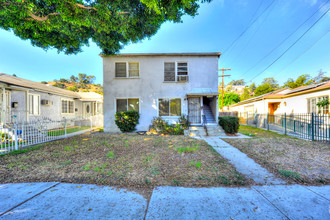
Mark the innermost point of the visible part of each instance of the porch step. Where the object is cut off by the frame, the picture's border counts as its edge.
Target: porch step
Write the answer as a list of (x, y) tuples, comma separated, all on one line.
[(215, 130), (212, 130)]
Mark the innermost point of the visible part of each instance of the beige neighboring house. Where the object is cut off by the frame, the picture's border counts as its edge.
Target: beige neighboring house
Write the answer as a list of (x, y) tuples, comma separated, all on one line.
[(23, 100), (303, 99)]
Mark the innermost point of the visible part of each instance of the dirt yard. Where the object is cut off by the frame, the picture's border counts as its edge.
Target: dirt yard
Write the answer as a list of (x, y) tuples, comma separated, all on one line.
[(297, 160), (122, 160)]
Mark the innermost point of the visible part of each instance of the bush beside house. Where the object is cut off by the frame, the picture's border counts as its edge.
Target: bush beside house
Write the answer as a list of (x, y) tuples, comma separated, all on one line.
[(229, 123), (163, 127), (127, 120)]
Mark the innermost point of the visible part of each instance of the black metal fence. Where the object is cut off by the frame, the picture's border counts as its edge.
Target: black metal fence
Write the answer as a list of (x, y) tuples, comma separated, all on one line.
[(315, 127)]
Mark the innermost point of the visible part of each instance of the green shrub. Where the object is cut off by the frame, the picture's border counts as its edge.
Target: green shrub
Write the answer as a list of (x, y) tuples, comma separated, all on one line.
[(127, 121), (229, 123), (163, 127)]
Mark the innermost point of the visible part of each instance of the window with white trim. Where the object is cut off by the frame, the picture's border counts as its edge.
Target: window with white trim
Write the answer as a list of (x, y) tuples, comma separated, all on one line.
[(34, 104), (313, 108), (175, 71), (67, 106), (169, 107), (123, 105), (127, 69)]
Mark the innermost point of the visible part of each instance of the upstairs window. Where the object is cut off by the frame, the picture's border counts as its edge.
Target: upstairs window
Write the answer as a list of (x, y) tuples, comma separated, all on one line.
[(169, 72), (127, 105), (67, 107), (127, 69), (176, 72), (34, 104)]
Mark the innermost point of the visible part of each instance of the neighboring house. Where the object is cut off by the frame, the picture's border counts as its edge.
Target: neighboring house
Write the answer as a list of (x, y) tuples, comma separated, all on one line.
[(300, 100), (168, 85), (24, 100)]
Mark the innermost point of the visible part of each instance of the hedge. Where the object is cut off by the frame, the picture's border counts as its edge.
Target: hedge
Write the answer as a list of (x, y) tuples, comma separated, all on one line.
[(127, 121), (229, 123)]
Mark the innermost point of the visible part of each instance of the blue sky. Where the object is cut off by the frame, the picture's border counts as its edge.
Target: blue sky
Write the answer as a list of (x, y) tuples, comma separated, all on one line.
[(216, 27)]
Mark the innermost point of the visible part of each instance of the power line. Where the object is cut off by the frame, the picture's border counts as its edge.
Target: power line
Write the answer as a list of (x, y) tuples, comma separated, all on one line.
[(247, 28), (284, 39), (304, 52), (249, 40), (292, 44)]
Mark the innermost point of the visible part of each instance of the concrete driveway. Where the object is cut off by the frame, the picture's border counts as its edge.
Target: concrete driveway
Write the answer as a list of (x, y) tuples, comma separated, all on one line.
[(81, 201)]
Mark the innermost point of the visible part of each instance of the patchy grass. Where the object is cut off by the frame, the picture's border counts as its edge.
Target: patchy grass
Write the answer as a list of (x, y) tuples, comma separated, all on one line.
[(292, 158), (122, 160), (68, 131)]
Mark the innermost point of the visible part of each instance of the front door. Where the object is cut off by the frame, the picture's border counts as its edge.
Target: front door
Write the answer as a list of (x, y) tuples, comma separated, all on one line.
[(194, 110), (87, 110)]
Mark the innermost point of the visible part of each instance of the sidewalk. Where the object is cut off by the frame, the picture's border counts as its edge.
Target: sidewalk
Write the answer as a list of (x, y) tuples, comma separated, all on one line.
[(242, 162), (81, 201)]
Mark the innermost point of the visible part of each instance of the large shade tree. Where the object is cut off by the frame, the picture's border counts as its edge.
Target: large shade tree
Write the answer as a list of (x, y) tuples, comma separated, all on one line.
[(68, 25)]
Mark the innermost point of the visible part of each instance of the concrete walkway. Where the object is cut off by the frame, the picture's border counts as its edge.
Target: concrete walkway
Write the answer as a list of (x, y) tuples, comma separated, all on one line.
[(81, 201), (242, 162)]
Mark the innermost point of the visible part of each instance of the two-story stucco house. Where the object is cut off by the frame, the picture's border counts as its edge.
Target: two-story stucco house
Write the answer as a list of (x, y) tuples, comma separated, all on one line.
[(168, 85)]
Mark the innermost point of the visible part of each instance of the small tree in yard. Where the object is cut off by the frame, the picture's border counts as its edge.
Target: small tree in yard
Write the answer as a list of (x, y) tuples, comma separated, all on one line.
[(127, 121)]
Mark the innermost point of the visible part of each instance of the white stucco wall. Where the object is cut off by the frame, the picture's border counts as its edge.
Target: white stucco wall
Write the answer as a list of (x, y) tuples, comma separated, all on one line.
[(150, 86), (20, 112), (53, 111)]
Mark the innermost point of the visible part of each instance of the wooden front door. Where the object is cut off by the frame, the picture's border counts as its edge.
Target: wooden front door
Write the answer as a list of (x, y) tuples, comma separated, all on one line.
[(272, 107), (194, 110)]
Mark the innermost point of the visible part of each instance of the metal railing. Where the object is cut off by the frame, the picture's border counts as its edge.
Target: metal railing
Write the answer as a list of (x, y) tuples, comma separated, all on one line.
[(204, 124), (311, 126), (17, 136)]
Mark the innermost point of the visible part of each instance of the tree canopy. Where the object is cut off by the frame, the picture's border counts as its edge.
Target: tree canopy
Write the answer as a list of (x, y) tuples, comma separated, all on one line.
[(302, 80), (239, 82), (229, 99), (68, 25)]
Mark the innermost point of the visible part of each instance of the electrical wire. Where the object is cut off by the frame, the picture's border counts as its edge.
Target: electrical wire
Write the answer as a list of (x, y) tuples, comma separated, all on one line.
[(294, 43), (284, 39), (248, 27), (303, 52)]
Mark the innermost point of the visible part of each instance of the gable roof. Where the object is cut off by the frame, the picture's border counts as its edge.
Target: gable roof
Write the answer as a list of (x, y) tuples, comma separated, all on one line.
[(16, 81)]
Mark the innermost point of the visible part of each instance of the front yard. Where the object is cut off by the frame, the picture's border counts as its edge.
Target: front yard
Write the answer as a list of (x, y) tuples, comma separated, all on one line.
[(294, 159), (122, 160)]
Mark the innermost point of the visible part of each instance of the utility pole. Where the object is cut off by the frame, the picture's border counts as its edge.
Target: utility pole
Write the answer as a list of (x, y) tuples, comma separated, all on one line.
[(222, 76)]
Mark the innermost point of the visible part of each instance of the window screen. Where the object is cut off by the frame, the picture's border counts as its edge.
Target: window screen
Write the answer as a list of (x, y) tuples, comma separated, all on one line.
[(121, 105), (121, 69), (169, 71), (133, 69), (182, 69)]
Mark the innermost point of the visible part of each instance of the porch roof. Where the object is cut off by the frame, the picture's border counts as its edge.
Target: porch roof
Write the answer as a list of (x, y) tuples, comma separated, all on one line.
[(202, 91), (90, 96)]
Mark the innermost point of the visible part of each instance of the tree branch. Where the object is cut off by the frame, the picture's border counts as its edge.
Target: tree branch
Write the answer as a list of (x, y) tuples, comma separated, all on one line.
[(44, 18)]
